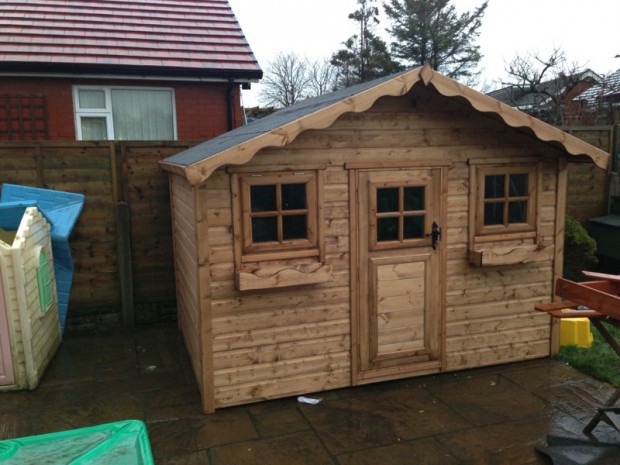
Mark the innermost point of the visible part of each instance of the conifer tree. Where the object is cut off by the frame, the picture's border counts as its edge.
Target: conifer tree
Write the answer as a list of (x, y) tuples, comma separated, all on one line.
[(365, 56), (431, 31)]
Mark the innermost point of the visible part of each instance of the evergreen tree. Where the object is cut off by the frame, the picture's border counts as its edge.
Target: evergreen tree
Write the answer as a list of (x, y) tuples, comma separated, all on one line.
[(432, 31), (365, 56)]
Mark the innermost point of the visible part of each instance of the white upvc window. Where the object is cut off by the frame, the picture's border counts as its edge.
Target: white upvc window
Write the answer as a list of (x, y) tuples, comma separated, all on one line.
[(124, 113)]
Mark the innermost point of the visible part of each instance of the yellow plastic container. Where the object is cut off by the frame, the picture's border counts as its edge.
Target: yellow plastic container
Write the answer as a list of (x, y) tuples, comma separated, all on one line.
[(575, 332)]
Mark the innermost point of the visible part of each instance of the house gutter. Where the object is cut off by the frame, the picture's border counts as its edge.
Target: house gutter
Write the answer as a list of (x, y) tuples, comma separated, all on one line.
[(131, 77)]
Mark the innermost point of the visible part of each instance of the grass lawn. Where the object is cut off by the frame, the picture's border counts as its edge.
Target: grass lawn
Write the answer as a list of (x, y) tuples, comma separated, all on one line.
[(599, 361)]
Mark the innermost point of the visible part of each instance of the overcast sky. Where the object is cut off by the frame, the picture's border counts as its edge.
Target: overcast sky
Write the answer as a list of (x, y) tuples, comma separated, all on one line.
[(587, 31)]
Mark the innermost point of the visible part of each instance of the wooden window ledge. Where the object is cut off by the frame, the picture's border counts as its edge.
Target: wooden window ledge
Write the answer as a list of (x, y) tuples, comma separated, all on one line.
[(490, 255), (267, 277)]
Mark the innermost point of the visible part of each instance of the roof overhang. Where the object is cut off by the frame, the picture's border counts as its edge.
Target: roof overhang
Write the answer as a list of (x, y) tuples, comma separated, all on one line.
[(129, 72), (198, 170)]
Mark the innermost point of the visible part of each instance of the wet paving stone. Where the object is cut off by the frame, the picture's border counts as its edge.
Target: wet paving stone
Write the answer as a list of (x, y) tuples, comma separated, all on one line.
[(195, 458), (488, 399), (577, 398), (223, 427), (495, 415), (421, 414), (299, 448), (422, 452), (171, 438), (549, 374), (353, 424), (280, 422), (510, 443)]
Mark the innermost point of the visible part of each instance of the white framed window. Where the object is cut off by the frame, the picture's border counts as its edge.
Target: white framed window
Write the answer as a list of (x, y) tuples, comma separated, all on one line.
[(124, 113)]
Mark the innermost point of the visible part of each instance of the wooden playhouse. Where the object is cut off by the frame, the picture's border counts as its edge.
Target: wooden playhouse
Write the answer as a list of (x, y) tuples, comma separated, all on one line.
[(402, 227)]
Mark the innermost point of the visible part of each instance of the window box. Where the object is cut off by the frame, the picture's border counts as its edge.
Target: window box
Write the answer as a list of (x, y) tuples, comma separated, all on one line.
[(504, 214), (277, 229), (266, 277)]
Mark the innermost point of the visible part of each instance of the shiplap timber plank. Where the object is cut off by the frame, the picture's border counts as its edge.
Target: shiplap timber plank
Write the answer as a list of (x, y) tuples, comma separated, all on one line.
[(284, 351), (269, 336), (498, 354), (283, 387), (282, 369)]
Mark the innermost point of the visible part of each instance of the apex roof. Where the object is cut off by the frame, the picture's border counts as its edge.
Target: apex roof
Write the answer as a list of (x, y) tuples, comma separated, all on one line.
[(153, 37), (281, 128)]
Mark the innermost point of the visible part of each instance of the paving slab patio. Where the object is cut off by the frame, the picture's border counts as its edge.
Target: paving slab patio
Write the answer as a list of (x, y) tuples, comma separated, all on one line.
[(494, 415)]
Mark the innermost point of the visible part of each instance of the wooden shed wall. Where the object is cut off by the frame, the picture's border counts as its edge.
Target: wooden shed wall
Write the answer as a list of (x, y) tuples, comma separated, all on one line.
[(287, 341), (282, 341), (184, 226), (490, 315)]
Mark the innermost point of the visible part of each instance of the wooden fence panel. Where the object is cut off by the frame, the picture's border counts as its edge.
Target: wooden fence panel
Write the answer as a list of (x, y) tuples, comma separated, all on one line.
[(85, 168), (587, 184), (106, 173), (144, 186)]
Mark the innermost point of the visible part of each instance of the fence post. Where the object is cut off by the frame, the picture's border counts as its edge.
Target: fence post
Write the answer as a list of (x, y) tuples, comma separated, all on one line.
[(124, 264)]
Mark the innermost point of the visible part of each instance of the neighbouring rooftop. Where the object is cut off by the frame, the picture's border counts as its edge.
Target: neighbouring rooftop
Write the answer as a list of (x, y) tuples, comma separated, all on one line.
[(154, 37)]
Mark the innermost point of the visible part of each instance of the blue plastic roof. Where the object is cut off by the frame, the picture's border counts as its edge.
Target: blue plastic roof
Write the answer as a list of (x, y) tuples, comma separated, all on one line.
[(61, 209), (11, 214)]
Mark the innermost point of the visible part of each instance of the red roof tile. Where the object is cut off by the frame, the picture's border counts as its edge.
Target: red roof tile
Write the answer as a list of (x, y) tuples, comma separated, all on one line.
[(180, 37)]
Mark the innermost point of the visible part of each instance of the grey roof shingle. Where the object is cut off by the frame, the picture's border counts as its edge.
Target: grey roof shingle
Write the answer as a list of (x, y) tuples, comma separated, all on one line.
[(269, 123)]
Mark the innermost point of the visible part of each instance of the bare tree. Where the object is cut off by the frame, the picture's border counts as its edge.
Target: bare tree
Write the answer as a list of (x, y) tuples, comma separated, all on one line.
[(321, 77), (290, 78), (544, 86), (285, 81)]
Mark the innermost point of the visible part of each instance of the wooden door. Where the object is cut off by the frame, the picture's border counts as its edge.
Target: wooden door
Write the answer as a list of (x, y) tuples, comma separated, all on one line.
[(7, 376), (399, 215)]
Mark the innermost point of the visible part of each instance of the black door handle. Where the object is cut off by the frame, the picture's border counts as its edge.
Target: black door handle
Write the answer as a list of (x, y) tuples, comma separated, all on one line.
[(435, 235)]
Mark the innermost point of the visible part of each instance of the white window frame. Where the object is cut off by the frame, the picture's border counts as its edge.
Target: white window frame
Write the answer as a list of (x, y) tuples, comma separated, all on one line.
[(107, 111)]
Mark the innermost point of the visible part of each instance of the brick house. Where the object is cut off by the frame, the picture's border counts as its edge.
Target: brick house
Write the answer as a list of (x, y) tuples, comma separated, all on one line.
[(121, 69), (555, 101)]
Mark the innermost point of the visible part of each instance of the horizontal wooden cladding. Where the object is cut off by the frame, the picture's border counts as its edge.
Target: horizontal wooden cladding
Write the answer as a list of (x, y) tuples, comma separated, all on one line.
[(272, 319), (186, 268), (287, 298), (461, 303), (281, 369), (516, 315), (502, 353), (497, 276), (331, 377), (269, 353), (258, 338), (454, 153)]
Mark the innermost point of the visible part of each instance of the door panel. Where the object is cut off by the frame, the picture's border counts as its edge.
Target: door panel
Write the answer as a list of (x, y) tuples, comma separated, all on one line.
[(399, 281)]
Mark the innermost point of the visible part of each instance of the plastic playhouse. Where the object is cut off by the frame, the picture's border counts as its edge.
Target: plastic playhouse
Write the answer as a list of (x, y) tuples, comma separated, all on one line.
[(35, 279), (62, 210), (120, 443)]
